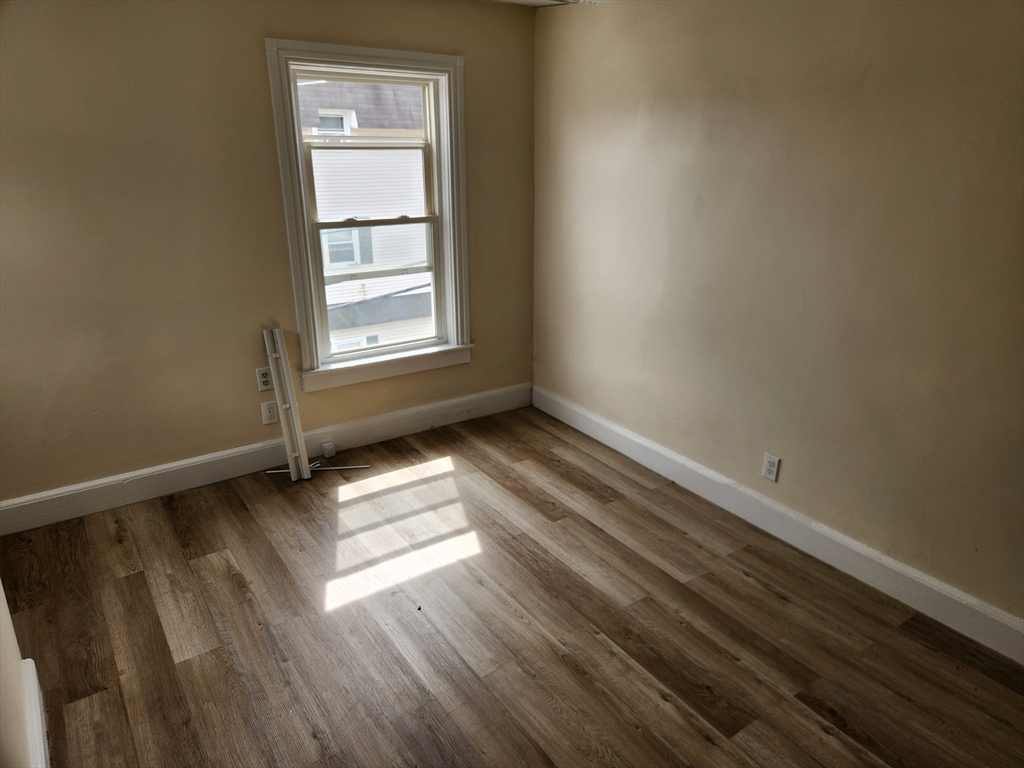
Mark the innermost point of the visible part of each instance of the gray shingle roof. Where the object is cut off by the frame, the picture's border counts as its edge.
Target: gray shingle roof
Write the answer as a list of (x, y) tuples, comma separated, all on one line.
[(376, 105)]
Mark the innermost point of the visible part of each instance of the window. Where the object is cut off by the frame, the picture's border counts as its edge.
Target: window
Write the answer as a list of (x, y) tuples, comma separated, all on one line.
[(363, 341), (370, 149), (333, 121), (345, 248)]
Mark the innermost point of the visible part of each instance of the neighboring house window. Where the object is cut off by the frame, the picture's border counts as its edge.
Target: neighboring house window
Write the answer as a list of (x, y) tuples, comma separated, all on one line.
[(371, 162), (363, 341), (338, 122), (346, 248)]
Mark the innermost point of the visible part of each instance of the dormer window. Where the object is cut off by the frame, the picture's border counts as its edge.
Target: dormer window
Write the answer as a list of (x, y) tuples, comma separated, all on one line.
[(335, 122)]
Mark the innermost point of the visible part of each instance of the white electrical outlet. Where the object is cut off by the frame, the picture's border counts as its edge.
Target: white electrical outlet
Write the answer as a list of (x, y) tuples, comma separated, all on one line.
[(771, 467), (263, 380), (328, 450), (269, 412)]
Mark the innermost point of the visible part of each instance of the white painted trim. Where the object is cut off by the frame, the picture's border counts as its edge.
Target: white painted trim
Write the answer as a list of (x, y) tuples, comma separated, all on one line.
[(995, 628), (382, 366), (52, 506), (446, 187), (35, 714)]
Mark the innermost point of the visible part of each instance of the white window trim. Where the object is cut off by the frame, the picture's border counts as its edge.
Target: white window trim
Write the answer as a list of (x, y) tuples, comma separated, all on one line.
[(454, 348)]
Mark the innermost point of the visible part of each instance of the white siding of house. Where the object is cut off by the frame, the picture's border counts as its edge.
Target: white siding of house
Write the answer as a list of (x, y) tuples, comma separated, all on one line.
[(403, 245), (395, 332)]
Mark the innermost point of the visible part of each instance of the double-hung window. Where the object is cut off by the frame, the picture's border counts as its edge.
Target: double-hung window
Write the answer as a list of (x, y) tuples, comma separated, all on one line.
[(371, 161)]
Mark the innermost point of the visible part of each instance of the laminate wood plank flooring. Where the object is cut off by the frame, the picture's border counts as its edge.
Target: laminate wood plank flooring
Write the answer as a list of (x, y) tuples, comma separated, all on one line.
[(499, 592), (98, 732)]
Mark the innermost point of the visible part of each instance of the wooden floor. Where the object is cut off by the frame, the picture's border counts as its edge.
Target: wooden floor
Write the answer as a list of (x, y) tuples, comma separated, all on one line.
[(501, 592)]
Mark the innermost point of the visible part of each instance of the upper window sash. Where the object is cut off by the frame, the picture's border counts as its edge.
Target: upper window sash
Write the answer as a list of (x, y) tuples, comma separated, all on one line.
[(428, 173)]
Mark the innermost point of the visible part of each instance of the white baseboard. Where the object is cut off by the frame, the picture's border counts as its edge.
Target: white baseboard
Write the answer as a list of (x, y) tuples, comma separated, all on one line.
[(52, 506), (987, 624), (35, 714)]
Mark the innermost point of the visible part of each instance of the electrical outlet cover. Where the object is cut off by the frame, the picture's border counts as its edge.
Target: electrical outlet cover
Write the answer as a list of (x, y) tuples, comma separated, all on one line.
[(771, 467), (269, 412), (263, 379)]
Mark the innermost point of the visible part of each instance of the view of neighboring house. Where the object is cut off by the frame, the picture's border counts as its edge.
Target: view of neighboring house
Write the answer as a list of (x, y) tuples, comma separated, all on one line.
[(366, 144)]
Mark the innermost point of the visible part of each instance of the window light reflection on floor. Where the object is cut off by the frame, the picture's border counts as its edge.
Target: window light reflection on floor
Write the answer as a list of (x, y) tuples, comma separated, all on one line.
[(393, 481), (402, 568), (371, 539)]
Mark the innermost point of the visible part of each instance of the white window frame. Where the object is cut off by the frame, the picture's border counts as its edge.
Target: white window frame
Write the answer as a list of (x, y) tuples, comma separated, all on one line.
[(447, 187)]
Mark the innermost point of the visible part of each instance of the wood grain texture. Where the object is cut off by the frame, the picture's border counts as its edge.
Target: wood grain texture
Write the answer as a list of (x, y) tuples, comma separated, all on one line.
[(881, 730), (588, 445), (667, 715), (432, 738), (220, 703), (273, 584), (158, 712), (112, 545), (98, 731), (257, 657), (499, 592), (183, 612), (193, 524), (75, 616), (965, 650), (24, 567), (770, 748), (37, 640)]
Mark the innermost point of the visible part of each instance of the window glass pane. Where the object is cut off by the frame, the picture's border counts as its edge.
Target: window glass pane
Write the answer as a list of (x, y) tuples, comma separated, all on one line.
[(365, 249), (368, 183), (332, 124), (380, 310), (376, 109), (339, 247)]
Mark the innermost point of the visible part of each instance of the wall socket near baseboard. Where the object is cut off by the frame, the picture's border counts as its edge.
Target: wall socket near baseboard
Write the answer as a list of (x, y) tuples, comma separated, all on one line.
[(771, 468)]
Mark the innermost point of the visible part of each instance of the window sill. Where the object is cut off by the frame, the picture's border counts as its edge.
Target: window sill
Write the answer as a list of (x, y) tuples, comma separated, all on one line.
[(395, 364)]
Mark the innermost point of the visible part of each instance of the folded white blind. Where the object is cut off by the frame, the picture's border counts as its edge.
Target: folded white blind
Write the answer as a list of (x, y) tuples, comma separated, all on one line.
[(368, 183)]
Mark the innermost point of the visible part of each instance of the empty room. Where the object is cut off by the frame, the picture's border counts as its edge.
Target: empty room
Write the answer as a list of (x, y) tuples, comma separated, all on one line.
[(512, 383)]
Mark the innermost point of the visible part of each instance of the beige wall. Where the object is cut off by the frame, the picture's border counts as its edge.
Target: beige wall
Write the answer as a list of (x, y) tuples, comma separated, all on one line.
[(764, 226), (798, 228), (142, 236)]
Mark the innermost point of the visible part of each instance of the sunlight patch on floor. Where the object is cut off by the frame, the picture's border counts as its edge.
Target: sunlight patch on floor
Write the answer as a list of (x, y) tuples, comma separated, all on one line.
[(399, 569), (397, 526), (393, 481), (373, 535)]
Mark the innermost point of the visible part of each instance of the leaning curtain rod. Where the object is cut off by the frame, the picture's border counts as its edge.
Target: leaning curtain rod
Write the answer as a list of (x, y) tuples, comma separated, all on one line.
[(288, 411)]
